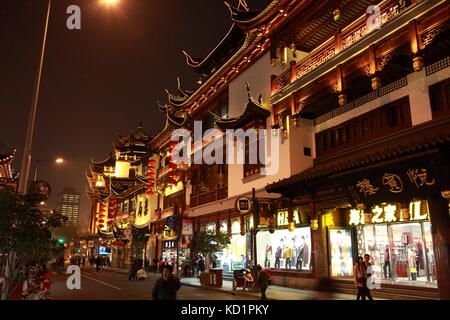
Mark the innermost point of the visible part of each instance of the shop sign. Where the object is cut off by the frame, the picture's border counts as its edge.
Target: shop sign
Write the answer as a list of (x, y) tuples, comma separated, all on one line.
[(188, 228), (171, 221), (394, 183), (169, 244), (418, 210), (282, 217), (243, 205)]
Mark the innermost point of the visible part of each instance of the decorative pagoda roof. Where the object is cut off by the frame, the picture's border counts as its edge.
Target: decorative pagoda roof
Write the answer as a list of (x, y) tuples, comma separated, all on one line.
[(206, 66), (135, 138), (248, 18), (181, 96), (98, 167), (253, 111)]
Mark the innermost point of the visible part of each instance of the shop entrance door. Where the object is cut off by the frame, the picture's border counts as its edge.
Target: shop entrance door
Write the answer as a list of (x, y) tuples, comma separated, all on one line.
[(408, 252)]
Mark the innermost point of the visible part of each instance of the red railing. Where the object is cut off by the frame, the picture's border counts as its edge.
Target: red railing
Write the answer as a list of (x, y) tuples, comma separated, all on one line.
[(351, 35)]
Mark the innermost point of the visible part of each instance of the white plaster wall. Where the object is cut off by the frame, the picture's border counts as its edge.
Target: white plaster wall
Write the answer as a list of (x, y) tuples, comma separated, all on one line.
[(419, 99), (299, 138), (259, 78)]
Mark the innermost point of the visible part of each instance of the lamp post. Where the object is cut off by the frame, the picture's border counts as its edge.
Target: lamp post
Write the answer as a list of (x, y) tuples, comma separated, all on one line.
[(26, 157), (57, 160)]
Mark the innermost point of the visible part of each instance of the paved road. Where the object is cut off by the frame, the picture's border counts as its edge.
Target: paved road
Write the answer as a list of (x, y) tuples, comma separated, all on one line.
[(116, 286)]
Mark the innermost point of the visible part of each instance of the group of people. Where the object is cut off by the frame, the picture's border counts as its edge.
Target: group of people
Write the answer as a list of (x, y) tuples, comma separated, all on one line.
[(100, 262), (78, 260), (362, 273)]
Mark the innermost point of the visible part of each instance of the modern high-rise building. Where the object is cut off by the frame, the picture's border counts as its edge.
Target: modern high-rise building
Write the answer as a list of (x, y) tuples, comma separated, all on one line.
[(69, 204)]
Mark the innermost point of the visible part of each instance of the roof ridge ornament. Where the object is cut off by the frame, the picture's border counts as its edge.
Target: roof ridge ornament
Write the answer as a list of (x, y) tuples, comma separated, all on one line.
[(243, 3)]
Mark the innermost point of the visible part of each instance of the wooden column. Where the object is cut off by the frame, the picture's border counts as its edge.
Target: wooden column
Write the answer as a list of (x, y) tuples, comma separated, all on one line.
[(318, 251), (440, 222), (341, 85), (373, 68), (415, 46)]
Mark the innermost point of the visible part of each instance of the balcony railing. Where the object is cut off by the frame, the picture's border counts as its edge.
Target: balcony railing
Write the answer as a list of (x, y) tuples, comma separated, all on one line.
[(165, 213), (350, 35), (200, 198)]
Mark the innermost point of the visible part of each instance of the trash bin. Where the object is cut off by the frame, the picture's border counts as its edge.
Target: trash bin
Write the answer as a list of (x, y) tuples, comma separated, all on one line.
[(216, 277)]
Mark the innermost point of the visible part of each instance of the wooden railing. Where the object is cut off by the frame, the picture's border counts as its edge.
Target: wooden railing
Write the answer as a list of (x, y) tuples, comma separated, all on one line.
[(164, 213), (208, 196), (349, 36)]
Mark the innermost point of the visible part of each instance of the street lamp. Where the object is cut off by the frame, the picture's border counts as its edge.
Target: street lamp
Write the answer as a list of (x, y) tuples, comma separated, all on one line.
[(58, 160)]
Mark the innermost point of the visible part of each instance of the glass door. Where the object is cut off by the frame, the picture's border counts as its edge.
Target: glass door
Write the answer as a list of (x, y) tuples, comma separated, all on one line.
[(408, 252)]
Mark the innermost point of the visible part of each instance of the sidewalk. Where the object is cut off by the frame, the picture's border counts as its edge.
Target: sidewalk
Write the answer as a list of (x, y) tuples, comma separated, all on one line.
[(273, 292)]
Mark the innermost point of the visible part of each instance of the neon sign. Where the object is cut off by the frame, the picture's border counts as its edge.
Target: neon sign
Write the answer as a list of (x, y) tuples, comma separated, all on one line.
[(388, 213)]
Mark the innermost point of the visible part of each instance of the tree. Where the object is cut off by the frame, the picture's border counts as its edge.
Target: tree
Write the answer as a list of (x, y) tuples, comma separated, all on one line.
[(25, 235), (206, 243)]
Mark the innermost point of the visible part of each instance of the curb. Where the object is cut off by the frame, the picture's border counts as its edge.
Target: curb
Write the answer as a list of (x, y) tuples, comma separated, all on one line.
[(241, 293)]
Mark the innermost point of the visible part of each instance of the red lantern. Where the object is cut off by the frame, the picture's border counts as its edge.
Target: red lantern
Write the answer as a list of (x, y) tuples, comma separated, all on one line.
[(149, 193), (173, 143), (110, 222), (113, 200), (151, 168), (150, 186), (151, 180), (100, 226), (172, 173), (151, 161), (172, 165), (101, 220), (171, 181), (101, 216), (150, 174)]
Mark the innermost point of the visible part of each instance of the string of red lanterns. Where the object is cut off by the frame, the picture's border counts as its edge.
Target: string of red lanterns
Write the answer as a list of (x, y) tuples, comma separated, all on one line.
[(151, 180)]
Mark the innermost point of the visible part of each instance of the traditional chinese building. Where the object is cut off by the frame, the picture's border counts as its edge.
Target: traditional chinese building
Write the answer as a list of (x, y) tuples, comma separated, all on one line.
[(121, 208), (374, 91), (7, 174)]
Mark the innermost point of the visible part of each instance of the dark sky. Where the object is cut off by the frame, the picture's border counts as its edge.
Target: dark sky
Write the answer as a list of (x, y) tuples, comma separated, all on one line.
[(98, 81)]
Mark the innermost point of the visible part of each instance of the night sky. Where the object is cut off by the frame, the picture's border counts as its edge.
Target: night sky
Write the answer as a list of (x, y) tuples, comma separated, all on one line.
[(99, 81)]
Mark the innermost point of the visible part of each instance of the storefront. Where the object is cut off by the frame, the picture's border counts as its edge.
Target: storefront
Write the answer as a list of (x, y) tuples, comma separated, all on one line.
[(288, 246), (169, 251), (399, 242), (392, 202), (234, 256)]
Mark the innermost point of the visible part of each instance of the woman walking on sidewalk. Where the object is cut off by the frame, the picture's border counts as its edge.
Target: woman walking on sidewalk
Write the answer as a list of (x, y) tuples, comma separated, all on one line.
[(360, 277)]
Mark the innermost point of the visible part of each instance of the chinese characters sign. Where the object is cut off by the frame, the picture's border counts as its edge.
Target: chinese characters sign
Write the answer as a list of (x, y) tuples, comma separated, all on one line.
[(394, 183), (418, 210)]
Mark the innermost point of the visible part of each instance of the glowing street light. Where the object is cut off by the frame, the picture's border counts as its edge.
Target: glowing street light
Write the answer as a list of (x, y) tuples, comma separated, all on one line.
[(58, 160)]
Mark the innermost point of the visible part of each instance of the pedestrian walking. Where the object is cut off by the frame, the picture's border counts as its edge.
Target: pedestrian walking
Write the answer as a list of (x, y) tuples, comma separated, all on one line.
[(360, 278), (201, 266), (262, 281), (368, 268), (155, 265), (167, 286), (98, 263), (133, 271)]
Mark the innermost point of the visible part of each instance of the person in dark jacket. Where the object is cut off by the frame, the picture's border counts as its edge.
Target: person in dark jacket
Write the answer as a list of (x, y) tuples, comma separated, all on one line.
[(167, 286), (262, 281), (201, 266)]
